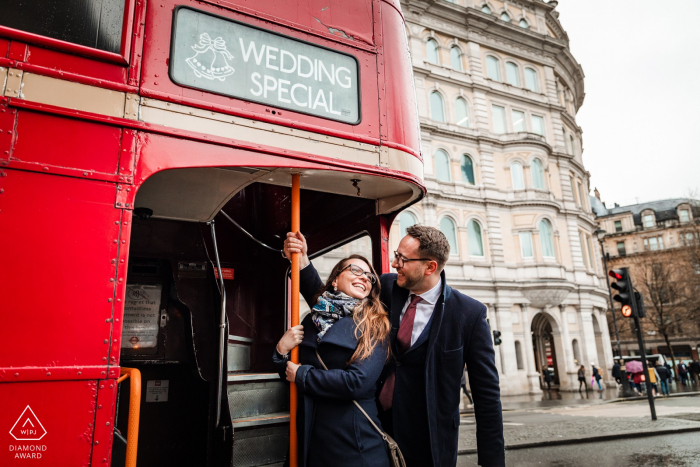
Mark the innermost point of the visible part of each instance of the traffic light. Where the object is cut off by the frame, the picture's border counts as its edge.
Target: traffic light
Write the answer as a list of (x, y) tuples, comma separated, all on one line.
[(497, 338), (626, 295)]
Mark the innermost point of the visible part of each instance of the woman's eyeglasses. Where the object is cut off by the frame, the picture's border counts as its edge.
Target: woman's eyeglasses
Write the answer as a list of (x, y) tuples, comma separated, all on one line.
[(358, 271), (400, 260)]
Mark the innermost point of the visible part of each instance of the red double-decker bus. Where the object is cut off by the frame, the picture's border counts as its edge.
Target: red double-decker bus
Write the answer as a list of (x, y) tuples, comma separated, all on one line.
[(144, 147)]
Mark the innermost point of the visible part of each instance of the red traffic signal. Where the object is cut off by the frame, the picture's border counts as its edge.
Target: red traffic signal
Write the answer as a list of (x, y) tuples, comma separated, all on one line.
[(623, 285), (617, 274)]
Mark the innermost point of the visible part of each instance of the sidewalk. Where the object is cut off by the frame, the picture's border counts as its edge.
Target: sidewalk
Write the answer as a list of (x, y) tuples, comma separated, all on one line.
[(596, 420)]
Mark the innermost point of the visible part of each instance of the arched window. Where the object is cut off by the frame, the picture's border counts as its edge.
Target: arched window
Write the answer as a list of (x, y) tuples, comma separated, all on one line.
[(462, 112), (442, 166), (467, 169), (516, 175), (486, 9), (456, 58), (447, 226), (537, 174), (577, 352), (546, 239), (505, 17), (475, 240), (512, 74), (431, 49), (437, 110), (531, 79), (492, 68), (519, 355), (567, 141), (405, 221), (524, 25), (572, 142)]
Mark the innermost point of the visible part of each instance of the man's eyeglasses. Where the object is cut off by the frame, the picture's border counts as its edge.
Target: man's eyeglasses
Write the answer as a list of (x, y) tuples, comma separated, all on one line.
[(400, 260), (358, 271)]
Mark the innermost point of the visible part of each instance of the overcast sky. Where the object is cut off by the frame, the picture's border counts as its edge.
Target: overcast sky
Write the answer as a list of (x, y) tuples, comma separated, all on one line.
[(641, 114)]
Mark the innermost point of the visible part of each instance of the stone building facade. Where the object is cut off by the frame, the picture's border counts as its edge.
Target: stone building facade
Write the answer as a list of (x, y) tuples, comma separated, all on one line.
[(664, 235), (498, 91)]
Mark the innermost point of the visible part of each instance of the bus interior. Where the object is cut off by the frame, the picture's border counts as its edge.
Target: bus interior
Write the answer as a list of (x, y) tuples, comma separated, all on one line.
[(173, 302)]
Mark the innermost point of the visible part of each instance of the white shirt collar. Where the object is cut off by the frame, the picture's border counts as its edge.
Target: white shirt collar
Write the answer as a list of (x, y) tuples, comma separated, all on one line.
[(432, 295)]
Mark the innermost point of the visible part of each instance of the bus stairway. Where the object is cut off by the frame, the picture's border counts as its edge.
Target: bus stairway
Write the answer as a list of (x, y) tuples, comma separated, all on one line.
[(259, 407)]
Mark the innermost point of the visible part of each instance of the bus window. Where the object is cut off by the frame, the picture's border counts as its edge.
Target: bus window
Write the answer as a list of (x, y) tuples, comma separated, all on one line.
[(92, 23)]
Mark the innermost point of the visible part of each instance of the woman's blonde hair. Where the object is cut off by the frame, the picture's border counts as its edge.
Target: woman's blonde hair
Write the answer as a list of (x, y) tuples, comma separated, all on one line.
[(371, 320)]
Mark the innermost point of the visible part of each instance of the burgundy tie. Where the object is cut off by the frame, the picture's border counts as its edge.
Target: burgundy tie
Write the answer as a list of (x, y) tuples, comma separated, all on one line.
[(386, 395)]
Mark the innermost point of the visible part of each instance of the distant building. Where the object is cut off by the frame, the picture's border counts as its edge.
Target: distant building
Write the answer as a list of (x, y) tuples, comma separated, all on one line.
[(656, 241)]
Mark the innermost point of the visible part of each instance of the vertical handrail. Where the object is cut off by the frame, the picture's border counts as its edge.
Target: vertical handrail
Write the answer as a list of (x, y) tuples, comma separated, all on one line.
[(293, 454), (132, 432), (222, 326)]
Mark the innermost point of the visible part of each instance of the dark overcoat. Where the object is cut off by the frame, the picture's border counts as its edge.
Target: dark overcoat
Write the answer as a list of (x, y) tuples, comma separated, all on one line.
[(331, 429), (425, 416)]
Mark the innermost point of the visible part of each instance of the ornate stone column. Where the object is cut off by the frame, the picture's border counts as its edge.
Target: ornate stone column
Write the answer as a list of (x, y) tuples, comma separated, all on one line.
[(509, 365), (571, 373), (588, 337), (533, 377)]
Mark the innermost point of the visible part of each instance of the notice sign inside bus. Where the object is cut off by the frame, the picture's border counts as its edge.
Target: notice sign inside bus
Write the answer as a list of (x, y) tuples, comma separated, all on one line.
[(226, 57), (141, 316)]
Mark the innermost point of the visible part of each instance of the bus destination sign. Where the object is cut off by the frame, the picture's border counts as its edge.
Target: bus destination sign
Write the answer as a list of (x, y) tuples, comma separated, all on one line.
[(230, 58)]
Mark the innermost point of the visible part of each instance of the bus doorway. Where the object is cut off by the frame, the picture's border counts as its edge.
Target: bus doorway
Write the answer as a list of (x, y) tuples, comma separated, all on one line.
[(172, 307)]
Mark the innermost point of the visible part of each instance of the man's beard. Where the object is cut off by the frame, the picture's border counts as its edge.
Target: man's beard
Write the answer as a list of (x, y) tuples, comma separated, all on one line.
[(410, 282)]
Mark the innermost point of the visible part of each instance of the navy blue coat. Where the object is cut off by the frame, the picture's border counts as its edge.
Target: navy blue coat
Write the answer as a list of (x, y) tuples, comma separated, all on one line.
[(331, 429), (425, 416)]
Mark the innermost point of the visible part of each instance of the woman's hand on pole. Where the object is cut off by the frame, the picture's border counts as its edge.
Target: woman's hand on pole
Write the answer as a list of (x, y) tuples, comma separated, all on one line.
[(291, 371), (296, 243), (290, 340)]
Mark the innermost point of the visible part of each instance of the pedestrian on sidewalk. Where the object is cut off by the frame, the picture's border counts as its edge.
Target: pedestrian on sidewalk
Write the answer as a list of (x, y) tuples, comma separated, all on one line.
[(683, 372), (695, 371), (465, 390), (616, 372), (596, 376), (547, 378), (653, 378), (664, 376), (582, 378)]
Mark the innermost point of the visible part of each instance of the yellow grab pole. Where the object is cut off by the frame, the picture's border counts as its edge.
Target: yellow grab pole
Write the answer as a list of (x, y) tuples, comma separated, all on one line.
[(132, 430), (293, 454)]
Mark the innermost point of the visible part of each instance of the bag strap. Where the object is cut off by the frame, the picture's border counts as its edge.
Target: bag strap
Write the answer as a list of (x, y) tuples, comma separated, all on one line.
[(384, 436)]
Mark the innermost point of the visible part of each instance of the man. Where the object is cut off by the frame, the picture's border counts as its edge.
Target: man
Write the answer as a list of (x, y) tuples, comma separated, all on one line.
[(436, 330), (695, 372), (683, 372), (664, 376), (616, 374)]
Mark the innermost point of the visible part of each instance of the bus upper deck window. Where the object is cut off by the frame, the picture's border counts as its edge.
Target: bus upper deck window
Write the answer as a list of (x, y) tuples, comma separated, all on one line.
[(91, 23)]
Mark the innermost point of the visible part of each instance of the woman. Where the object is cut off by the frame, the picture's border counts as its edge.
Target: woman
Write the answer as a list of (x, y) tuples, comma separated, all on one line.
[(582, 378), (350, 330)]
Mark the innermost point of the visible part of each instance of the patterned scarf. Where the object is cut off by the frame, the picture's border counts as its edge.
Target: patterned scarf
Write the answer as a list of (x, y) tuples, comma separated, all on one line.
[(330, 307)]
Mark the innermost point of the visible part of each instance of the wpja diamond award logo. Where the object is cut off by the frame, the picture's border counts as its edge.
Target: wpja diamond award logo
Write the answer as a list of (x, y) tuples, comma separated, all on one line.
[(211, 58), (28, 428)]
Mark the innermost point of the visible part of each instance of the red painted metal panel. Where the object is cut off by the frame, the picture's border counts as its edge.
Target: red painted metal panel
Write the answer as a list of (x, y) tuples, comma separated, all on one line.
[(121, 269), (18, 51), (4, 47), (65, 409), (58, 237), (63, 142), (86, 66), (104, 422), (7, 125), (401, 116), (155, 81)]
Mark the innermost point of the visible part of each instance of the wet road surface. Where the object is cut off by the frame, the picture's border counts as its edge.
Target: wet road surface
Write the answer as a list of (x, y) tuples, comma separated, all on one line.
[(677, 450)]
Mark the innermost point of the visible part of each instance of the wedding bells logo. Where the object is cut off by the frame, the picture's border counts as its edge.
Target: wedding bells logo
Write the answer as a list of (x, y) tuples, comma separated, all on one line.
[(211, 59)]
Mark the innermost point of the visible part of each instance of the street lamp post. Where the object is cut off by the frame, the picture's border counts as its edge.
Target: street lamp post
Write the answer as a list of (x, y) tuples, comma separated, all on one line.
[(600, 234)]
